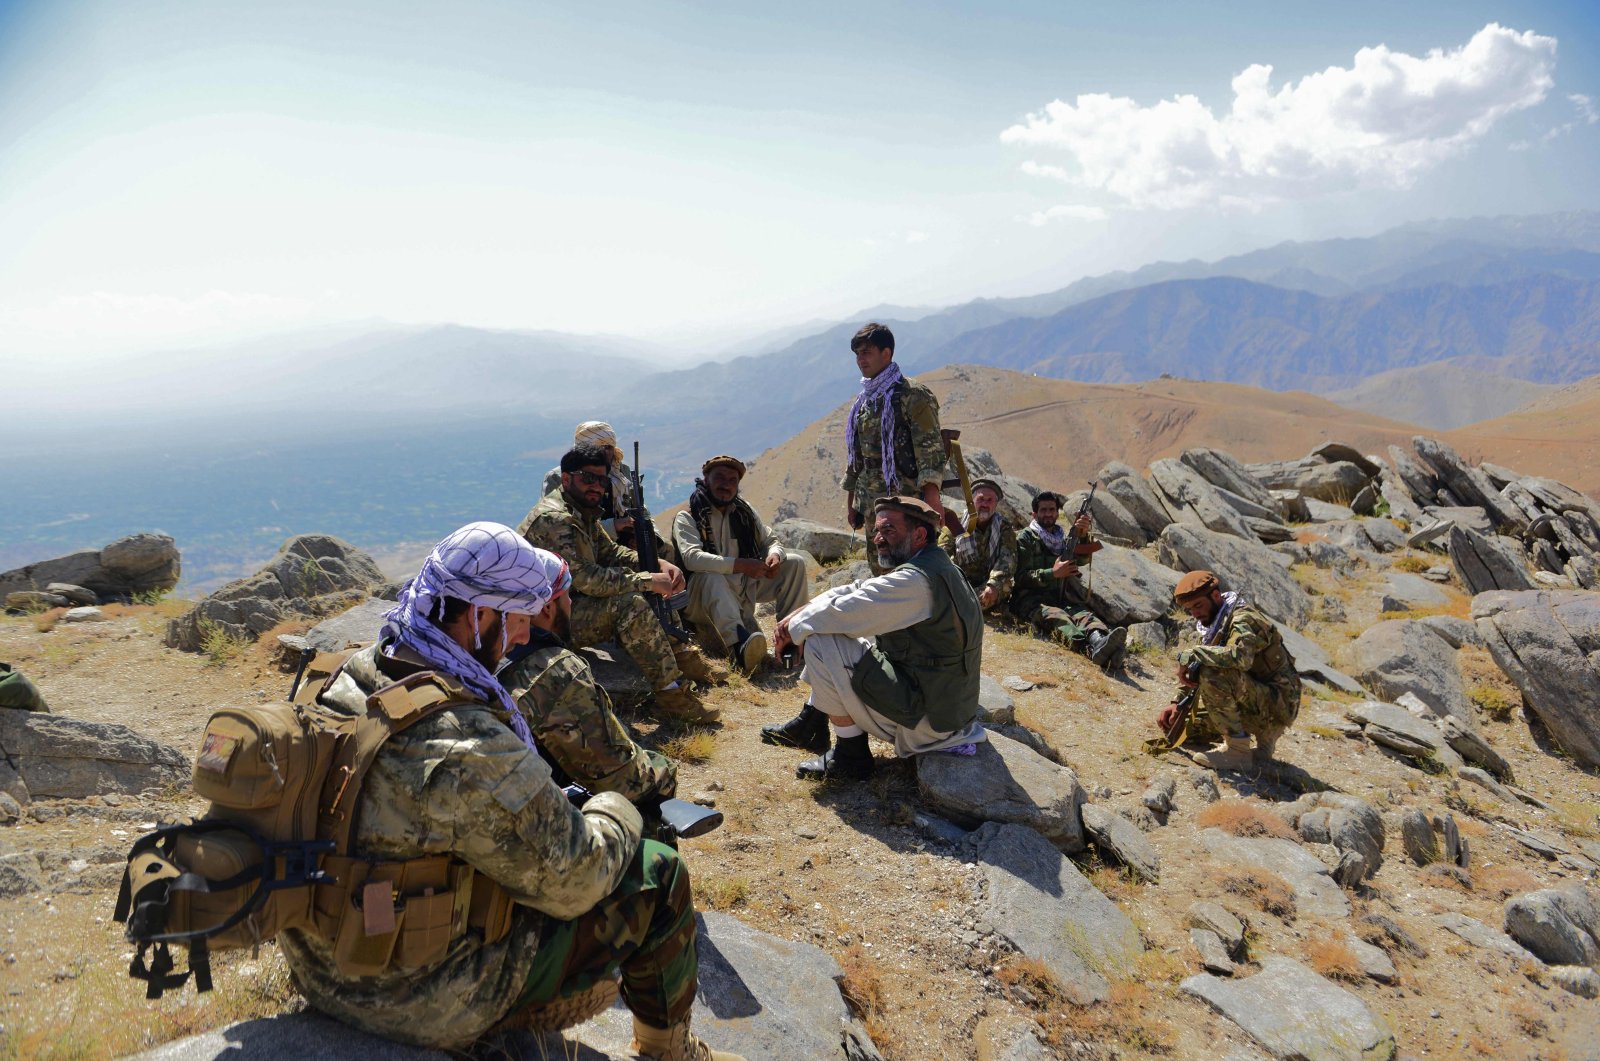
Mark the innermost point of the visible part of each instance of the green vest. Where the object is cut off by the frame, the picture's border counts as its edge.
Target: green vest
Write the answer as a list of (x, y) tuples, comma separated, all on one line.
[(930, 670)]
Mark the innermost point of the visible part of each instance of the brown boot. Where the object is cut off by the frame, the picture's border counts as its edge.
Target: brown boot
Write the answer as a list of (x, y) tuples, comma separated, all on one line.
[(683, 704), (1264, 748), (695, 667), (676, 1043), (1232, 754)]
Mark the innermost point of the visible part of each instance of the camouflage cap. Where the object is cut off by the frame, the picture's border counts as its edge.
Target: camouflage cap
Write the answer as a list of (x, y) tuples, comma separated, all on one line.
[(1195, 584), (911, 507), (990, 483), (723, 460)]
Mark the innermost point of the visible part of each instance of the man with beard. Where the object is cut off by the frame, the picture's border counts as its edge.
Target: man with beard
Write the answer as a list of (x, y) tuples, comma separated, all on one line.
[(562, 901), (892, 441), (1244, 678), (988, 556), (608, 588), (1050, 595), (895, 655), (570, 714), (733, 562)]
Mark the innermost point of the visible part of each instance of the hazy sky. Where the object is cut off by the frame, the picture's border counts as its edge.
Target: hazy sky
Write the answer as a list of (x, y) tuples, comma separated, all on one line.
[(174, 172)]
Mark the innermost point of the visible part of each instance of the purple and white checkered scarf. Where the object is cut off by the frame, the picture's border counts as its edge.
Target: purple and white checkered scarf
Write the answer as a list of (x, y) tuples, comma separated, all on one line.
[(873, 391), (484, 564)]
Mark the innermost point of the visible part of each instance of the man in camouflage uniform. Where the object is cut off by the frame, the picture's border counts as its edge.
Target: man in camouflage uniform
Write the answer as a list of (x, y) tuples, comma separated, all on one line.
[(988, 556), (1050, 594), (733, 562), (1243, 676), (892, 441), (590, 900), (608, 588)]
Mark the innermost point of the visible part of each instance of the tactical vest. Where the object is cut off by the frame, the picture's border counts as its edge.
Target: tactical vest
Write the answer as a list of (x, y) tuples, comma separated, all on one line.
[(905, 453), (275, 849), (929, 670)]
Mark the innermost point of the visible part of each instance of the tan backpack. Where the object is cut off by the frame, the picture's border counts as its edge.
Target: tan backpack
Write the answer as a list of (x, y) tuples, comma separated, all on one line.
[(274, 849)]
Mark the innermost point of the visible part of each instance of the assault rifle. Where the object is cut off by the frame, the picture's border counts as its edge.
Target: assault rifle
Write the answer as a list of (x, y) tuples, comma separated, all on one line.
[(684, 820), (644, 534), (1174, 735), (1074, 539)]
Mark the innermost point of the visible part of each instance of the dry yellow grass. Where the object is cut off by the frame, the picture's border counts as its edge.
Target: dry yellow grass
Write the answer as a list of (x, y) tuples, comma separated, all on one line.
[(691, 746), (1332, 957), (1242, 818), (1268, 891)]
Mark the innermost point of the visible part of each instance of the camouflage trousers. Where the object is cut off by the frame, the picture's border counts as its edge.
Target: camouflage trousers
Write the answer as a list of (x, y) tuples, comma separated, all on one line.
[(1230, 701), (627, 619), (645, 929), (1071, 627)]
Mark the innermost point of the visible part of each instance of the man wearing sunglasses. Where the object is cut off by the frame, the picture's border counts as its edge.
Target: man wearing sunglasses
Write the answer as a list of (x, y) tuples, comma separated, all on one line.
[(608, 588)]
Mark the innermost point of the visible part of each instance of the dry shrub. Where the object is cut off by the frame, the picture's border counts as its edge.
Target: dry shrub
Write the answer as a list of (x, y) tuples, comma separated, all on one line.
[(1268, 891), (720, 892), (1528, 1020), (863, 990), (1332, 957), (1242, 818), (1445, 875), (46, 621), (1502, 882), (1127, 1017), (1495, 701), (690, 746), (1412, 564)]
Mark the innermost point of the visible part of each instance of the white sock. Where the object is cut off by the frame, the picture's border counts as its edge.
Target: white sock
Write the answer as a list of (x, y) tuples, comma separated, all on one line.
[(847, 731)]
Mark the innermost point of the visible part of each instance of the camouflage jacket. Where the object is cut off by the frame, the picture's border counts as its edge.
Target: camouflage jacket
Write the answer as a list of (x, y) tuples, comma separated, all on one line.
[(1252, 644), (978, 564), (459, 782), (1036, 580), (919, 458), (600, 567), (572, 720)]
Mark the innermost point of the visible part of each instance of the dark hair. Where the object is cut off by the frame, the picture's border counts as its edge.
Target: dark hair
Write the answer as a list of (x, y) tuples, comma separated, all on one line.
[(873, 334), (447, 611), (579, 457), (1047, 495)]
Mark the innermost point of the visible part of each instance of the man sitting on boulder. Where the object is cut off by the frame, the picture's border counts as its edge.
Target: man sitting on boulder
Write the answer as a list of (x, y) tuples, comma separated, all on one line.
[(895, 656), (988, 556), (733, 562), (1050, 596), (1244, 678)]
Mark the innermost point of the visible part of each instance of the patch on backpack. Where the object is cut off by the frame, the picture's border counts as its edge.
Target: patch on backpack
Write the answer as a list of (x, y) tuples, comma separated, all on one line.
[(216, 753)]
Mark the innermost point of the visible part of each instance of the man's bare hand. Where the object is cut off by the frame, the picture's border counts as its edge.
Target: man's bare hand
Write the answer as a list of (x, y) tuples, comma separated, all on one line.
[(987, 597), (1167, 718), (1184, 679), (853, 517), (622, 523), (781, 639), (661, 584), (773, 563), (678, 582), (1064, 568), (1083, 525), (751, 568)]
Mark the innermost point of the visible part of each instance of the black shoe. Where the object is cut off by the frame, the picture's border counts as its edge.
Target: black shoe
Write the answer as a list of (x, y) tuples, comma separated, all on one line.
[(850, 759), (807, 730), (1103, 648)]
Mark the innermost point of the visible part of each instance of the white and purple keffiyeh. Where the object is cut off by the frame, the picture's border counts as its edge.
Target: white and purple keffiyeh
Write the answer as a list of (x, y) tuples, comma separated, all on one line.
[(873, 391), (488, 565), (1209, 632)]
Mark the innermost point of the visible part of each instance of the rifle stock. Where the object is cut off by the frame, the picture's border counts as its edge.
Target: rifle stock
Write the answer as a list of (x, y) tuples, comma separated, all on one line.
[(952, 449), (684, 819)]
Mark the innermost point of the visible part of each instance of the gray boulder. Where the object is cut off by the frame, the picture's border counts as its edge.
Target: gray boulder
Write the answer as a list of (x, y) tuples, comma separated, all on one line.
[(19, 874), (355, 628), (1335, 452), (1404, 592), (1247, 566), (1400, 656), (1481, 935), (1560, 925), (1420, 482), (1471, 746), (1487, 563), (1007, 782), (1398, 729), (74, 594), (1548, 643), (827, 544), (1338, 482), (139, 563), (1121, 843), (1136, 496), (1314, 889), (1458, 633), (994, 703), (1469, 484), (1349, 823), (1213, 918), (1192, 500), (1112, 520), (1045, 908), (1282, 475), (1473, 519), (1222, 470), (1294, 1013), (1328, 511), (55, 756), (1126, 587), (1312, 661)]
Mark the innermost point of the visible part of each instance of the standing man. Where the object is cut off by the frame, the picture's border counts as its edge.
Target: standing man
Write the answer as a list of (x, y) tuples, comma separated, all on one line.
[(1244, 678), (892, 440), (988, 556), (895, 656), (608, 588), (562, 901), (733, 562), (1050, 594)]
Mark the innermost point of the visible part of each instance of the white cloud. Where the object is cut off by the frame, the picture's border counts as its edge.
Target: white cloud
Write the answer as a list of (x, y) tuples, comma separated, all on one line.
[(1066, 212), (1381, 122), (1586, 112), (916, 237)]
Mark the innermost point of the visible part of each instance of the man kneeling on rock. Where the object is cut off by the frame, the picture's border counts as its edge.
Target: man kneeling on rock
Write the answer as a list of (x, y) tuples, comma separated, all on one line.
[(1244, 678), (895, 656)]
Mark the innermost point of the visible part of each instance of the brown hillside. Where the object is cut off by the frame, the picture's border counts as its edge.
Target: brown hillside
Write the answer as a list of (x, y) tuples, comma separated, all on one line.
[(1557, 435)]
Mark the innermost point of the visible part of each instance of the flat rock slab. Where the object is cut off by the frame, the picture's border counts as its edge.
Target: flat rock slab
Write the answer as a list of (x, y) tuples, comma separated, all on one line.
[(1481, 935), (1548, 643), (1247, 566), (1006, 781), (1314, 889), (1311, 661), (1037, 900), (1403, 592), (1294, 1013), (358, 627), (994, 703), (1117, 837), (70, 758), (1127, 587), (1400, 656), (1394, 727), (825, 543)]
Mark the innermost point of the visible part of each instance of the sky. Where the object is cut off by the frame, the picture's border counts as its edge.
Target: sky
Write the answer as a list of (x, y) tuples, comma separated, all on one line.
[(178, 173)]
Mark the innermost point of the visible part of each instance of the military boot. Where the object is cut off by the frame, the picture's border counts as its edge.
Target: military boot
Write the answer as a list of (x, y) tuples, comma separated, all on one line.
[(695, 667), (1264, 748), (807, 730), (683, 704), (676, 1043), (1104, 649), (750, 653), (850, 759), (1232, 754)]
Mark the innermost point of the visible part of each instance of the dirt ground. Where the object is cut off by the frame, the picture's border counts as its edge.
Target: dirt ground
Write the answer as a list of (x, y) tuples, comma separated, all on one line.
[(845, 868)]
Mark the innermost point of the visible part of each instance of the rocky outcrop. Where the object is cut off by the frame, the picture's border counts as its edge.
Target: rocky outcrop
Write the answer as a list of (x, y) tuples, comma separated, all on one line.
[(1243, 565), (137, 564), (54, 756), (1471, 486), (1006, 782), (1486, 563), (827, 544), (1294, 1013), (312, 575), (1559, 925), (1548, 643), (1192, 500), (1400, 656), (1121, 482), (1126, 587)]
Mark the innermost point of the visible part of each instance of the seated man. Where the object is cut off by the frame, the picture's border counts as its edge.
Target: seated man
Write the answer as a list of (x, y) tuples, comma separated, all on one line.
[(588, 900), (895, 656), (988, 556), (608, 588), (570, 714), (733, 563), (619, 490), (1244, 678), (1050, 595)]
